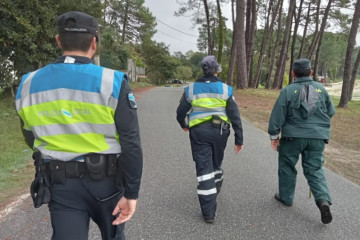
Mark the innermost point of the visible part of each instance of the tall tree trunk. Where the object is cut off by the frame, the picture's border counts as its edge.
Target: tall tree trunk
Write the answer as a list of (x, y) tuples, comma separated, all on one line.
[(267, 33), (241, 76), (353, 75), (278, 79), (297, 21), (210, 50), (321, 33), (250, 40), (125, 21), (315, 35), (230, 79), (233, 12), (305, 30), (273, 54), (345, 91), (221, 31)]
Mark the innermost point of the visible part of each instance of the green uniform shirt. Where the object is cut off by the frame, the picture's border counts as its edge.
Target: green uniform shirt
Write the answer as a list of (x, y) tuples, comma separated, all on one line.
[(309, 118)]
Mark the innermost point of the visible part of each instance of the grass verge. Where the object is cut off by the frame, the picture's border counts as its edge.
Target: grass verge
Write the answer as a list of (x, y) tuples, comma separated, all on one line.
[(341, 154), (16, 171)]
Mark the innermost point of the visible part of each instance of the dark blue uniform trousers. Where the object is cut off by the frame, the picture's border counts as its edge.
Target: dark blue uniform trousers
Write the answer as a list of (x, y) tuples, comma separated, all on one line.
[(74, 203), (208, 144)]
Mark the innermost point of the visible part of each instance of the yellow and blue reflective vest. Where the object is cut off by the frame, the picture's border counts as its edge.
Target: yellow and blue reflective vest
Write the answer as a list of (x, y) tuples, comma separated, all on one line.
[(70, 109), (207, 99)]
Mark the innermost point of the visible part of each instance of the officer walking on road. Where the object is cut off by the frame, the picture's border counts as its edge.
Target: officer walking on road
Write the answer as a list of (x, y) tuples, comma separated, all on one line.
[(212, 107), (302, 113), (81, 121)]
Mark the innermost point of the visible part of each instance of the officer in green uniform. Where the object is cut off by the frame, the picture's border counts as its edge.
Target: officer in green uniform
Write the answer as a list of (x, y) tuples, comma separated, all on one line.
[(302, 113)]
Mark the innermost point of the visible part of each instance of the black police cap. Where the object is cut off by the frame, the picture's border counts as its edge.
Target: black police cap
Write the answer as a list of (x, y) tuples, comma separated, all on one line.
[(301, 64), (77, 22), (210, 65)]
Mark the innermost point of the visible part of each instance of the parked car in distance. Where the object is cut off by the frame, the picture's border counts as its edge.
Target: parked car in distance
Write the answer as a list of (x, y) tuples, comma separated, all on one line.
[(177, 81)]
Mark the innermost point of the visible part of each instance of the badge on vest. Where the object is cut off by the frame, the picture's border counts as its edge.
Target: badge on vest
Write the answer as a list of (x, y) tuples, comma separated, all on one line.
[(131, 99), (69, 60)]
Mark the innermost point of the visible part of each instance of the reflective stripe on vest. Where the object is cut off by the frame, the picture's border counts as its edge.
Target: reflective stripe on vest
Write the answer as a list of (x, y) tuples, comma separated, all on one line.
[(69, 121), (207, 99)]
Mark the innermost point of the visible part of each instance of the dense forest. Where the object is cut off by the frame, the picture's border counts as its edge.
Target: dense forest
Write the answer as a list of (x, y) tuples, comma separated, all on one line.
[(257, 50)]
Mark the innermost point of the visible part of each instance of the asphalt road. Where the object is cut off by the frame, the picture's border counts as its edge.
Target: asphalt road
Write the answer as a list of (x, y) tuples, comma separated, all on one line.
[(168, 207)]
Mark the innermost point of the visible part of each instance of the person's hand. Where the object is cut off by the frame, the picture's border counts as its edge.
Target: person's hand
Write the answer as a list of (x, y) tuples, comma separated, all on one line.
[(275, 143), (238, 148), (185, 129), (125, 208)]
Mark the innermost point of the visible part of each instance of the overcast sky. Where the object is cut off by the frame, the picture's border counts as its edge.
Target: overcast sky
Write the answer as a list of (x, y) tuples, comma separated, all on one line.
[(164, 10)]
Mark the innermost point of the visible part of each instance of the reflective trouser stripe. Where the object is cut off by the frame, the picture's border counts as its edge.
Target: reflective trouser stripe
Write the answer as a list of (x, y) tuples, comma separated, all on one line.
[(206, 192), (206, 177), (219, 179)]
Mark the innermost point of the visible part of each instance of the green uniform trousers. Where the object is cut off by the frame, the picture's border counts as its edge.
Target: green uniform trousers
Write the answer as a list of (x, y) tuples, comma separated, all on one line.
[(311, 151)]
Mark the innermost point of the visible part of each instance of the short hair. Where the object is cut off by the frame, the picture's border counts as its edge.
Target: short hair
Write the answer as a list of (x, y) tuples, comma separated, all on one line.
[(302, 72), (75, 41)]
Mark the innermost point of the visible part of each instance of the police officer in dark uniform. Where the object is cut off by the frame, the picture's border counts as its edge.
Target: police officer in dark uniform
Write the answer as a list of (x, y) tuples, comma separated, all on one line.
[(302, 113), (81, 121), (212, 108)]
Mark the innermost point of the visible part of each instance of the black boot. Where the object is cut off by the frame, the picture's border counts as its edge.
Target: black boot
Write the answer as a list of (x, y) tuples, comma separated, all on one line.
[(324, 207)]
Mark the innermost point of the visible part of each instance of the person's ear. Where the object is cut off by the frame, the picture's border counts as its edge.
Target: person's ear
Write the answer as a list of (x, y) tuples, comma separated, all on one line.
[(311, 73), (93, 44), (57, 38), (293, 74)]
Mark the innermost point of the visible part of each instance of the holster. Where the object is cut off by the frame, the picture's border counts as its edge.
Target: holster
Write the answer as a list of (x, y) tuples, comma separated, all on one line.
[(96, 166), (40, 187)]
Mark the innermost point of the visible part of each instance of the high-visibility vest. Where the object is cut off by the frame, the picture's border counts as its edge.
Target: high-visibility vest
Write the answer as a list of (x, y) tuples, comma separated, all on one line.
[(70, 109), (207, 99)]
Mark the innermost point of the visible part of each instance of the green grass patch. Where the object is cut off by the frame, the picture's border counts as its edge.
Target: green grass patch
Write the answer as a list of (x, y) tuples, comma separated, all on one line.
[(15, 156)]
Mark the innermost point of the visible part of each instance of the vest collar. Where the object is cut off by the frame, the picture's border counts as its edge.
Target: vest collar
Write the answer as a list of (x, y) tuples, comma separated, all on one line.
[(303, 79), (209, 78), (77, 59)]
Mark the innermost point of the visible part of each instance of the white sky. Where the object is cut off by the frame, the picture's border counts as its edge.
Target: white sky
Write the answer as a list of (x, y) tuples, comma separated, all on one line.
[(164, 10)]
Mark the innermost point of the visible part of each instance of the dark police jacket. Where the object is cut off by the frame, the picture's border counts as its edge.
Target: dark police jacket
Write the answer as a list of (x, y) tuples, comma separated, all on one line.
[(303, 110), (232, 111)]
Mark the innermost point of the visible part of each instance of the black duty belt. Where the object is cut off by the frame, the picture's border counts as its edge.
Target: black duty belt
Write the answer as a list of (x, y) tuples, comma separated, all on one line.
[(97, 166)]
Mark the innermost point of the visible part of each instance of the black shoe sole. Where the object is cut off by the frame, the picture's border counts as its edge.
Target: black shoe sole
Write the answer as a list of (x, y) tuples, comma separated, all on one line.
[(281, 201), (211, 220), (326, 216)]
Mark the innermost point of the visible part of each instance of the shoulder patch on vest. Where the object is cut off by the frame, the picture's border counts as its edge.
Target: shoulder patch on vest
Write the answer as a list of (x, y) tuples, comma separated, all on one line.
[(131, 99)]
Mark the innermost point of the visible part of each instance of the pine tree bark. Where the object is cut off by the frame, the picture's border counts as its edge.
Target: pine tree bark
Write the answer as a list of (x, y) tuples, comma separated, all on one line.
[(279, 76), (353, 75), (297, 21), (345, 91), (241, 76), (305, 31), (274, 47), (206, 7), (230, 79), (321, 33), (267, 33), (220, 32), (250, 32), (125, 21), (250, 36), (315, 35)]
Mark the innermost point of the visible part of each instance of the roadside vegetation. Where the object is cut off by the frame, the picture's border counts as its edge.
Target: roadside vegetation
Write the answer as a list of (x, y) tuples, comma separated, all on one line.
[(342, 154)]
